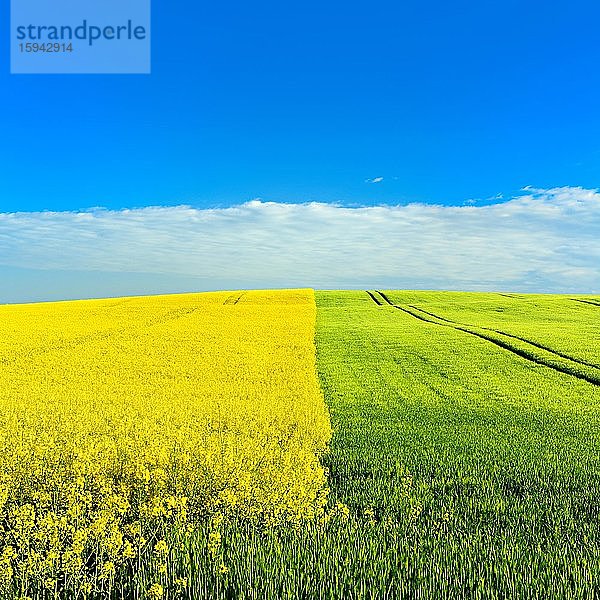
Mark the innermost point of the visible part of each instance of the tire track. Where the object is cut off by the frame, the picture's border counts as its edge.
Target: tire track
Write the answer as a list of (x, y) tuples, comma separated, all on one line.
[(385, 298), (550, 362), (233, 299), (374, 298), (432, 315), (516, 337), (546, 348), (590, 302)]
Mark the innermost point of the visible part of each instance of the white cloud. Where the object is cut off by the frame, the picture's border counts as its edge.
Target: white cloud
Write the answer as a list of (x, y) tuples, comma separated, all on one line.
[(544, 240), (375, 180)]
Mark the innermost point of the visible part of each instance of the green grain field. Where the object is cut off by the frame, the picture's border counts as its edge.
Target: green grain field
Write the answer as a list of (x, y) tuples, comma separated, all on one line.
[(499, 435)]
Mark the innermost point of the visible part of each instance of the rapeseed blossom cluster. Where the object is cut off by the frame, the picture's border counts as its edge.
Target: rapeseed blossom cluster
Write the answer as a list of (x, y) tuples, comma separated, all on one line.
[(123, 419)]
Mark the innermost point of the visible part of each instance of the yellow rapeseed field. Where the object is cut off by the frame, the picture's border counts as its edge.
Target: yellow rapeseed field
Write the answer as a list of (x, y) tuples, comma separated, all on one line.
[(121, 418)]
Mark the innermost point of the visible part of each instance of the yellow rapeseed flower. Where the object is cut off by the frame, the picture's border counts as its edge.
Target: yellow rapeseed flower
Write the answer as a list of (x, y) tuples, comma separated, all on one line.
[(155, 591), (113, 412)]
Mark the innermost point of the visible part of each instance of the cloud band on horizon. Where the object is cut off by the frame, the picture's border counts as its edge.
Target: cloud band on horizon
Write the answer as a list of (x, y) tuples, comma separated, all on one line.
[(543, 240)]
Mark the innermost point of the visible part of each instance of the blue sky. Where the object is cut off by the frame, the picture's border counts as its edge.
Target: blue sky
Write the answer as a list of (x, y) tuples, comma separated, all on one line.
[(353, 103), (298, 102)]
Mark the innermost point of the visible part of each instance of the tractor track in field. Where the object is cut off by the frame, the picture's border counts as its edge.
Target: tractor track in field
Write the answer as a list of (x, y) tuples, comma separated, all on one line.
[(512, 335), (233, 299), (433, 315), (374, 298), (385, 298), (590, 302), (529, 355), (546, 348)]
